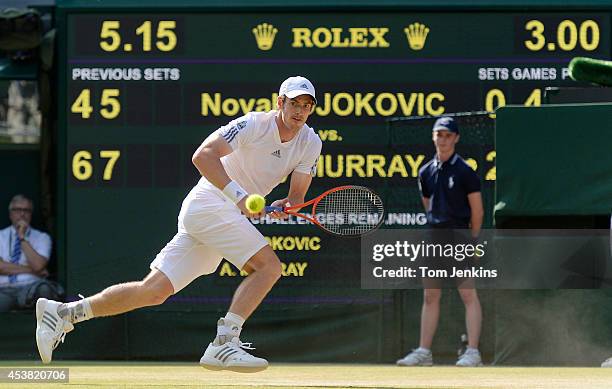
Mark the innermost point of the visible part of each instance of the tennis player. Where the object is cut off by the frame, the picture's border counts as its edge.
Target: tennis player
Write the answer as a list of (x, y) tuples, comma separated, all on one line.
[(251, 154)]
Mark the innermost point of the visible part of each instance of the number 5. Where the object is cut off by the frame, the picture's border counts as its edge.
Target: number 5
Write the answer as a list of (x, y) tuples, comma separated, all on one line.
[(108, 31), (109, 97), (164, 30)]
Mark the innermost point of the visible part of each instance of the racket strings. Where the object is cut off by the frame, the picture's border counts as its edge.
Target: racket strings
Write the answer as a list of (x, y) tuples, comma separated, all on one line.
[(350, 211)]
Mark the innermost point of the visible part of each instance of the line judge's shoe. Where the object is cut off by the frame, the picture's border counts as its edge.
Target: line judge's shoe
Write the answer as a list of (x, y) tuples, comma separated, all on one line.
[(232, 356), (470, 358), (51, 329), (416, 358)]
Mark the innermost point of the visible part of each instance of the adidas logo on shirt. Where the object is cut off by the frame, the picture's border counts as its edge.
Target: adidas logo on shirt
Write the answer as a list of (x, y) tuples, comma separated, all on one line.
[(276, 154)]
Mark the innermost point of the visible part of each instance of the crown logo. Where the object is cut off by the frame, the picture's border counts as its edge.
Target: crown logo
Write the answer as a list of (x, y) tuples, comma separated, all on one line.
[(416, 33), (264, 35)]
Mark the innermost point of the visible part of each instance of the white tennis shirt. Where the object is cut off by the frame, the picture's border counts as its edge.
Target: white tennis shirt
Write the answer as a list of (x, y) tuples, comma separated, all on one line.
[(260, 161)]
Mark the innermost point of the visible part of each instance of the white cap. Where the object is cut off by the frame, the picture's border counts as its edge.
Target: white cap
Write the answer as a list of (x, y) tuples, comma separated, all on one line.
[(296, 86)]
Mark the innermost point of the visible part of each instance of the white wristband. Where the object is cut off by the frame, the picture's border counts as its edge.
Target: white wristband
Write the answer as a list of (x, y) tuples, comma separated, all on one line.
[(234, 191)]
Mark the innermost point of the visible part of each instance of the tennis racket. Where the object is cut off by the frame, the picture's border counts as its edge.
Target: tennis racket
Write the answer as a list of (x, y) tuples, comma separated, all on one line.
[(345, 211)]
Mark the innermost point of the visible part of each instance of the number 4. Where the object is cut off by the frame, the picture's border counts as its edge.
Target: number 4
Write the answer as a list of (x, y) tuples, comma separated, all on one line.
[(534, 99), (82, 104)]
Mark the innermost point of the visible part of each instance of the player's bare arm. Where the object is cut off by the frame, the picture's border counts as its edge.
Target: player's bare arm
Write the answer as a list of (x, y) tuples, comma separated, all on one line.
[(298, 186), (477, 212), (207, 159)]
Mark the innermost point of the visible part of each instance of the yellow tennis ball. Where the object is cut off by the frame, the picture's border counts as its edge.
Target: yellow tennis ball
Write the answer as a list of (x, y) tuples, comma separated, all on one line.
[(255, 203)]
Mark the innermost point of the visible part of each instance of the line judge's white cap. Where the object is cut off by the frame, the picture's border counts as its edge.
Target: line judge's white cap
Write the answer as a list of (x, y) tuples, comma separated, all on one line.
[(296, 86)]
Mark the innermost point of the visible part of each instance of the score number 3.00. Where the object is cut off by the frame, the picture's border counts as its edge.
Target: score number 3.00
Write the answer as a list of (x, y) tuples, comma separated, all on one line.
[(82, 168), (570, 35)]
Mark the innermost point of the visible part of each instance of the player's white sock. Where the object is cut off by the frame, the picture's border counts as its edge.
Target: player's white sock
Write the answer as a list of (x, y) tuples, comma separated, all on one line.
[(76, 311), (235, 319), (423, 350), (228, 327)]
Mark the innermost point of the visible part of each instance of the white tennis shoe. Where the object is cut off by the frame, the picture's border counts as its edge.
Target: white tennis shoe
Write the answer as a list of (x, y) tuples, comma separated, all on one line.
[(470, 358), (50, 328), (232, 356), (607, 363), (416, 358)]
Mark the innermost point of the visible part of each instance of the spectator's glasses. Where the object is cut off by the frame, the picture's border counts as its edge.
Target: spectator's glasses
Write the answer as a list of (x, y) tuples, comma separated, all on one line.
[(21, 210)]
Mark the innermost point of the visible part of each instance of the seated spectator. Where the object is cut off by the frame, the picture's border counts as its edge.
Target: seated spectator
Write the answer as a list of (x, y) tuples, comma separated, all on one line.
[(24, 254)]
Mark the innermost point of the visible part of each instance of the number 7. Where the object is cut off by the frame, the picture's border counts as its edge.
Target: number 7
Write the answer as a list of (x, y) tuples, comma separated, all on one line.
[(113, 156)]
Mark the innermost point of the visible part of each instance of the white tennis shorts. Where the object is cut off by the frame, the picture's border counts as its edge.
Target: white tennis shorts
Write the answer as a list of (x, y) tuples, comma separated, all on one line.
[(210, 228)]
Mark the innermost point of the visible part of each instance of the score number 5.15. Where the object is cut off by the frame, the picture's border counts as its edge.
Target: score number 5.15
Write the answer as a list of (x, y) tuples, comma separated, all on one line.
[(82, 168), (110, 36), (109, 101)]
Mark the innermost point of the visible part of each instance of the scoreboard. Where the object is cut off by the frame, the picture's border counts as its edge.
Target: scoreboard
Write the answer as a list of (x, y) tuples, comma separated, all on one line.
[(141, 88)]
